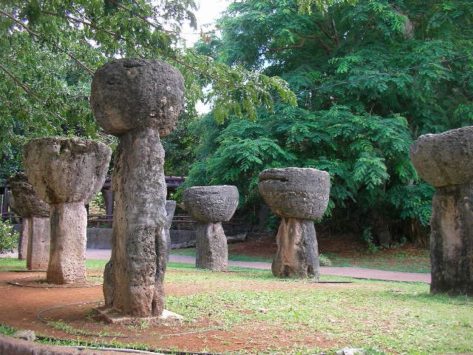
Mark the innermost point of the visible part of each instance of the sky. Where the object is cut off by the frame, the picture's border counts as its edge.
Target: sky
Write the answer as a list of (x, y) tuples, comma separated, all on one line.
[(208, 12)]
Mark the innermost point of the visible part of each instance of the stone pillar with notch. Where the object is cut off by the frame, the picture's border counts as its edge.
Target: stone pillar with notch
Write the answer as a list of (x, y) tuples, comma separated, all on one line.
[(35, 231), (210, 206), (138, 101), (298, 196), (66, 173), (445, 161)]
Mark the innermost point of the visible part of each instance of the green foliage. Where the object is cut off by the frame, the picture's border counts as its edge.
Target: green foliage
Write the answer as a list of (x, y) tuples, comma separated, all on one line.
[(49, 51), (8, 237), (369, 75)]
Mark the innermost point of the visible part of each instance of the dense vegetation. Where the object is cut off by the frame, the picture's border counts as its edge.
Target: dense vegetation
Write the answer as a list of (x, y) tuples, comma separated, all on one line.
[(49, 51), (370, 76)]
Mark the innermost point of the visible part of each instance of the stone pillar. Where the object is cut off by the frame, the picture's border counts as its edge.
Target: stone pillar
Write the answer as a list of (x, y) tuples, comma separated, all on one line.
[(170, 209), (298, 196), (139, 101), (35, 236), (446, 161), (210, 206), (66, 173)]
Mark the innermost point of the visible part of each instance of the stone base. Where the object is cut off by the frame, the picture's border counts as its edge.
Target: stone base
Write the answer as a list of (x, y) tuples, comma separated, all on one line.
[(113, 316), (297, 254), (211, 247), (451, 240)]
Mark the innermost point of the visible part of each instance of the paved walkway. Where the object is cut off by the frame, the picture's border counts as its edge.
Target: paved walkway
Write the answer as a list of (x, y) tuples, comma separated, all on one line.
[(359, 273)]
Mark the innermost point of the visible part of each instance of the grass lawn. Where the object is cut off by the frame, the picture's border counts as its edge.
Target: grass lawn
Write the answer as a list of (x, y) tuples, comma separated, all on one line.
[(300, 317)]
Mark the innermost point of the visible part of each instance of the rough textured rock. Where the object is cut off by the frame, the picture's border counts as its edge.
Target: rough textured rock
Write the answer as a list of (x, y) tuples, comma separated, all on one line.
[(38, 243), (66, 173), (297, 254), (446, 161), (211, 247), (137, 100), (211, 203), (35, 236), (295, 192), (451, 240), (170, 209), (297, 195), (130, 94)]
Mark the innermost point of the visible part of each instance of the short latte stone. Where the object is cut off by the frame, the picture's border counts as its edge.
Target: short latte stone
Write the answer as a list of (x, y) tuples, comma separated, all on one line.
[(209, 206), (298, 196), (35, 236), (138, 101), (446, 161), (66, 173), (170, 209)]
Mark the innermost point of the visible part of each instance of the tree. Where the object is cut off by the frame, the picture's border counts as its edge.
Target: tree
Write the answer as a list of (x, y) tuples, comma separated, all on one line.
[(50, 49), (370, 76)]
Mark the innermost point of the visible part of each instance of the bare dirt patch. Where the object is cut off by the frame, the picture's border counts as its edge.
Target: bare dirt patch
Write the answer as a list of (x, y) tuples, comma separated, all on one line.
[(67, 313)]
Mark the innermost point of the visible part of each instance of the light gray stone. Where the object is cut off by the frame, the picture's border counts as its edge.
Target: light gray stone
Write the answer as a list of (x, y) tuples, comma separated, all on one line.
[(446, 161), (34, 236), (211, 247), (66, 173), (297, 195), (209, 206), (295, 192), (211, 203), (137, 100), (170, 209), (28, 335)]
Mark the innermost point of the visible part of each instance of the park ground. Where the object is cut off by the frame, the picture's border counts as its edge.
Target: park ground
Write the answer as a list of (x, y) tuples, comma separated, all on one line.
[(249, 311)]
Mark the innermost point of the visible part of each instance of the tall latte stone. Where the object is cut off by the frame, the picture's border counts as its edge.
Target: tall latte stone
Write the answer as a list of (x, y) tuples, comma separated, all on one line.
[(66, 173), (210, 206), (138, 101), (298, 196), (34, 242), (446, 161)]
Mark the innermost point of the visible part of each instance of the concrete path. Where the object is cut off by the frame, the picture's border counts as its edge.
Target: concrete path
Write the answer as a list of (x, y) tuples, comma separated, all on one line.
[(355, 272)]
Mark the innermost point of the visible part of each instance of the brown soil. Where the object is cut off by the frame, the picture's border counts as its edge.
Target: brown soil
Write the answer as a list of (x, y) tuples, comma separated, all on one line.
[(70, 313)]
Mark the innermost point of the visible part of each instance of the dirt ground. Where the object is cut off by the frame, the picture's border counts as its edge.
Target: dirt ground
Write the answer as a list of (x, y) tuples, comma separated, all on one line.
[(70, 313), (67, 313)]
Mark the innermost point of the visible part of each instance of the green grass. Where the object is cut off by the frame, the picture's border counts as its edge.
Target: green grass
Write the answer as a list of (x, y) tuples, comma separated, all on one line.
[(12, 264), (384, 317), (391, 260)]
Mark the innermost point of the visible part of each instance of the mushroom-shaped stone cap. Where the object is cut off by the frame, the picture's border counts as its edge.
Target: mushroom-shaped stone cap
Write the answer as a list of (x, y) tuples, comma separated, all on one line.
[(295, 192), (211, 203), (66, 169), (137, 93), (25, 202), (446, 158)]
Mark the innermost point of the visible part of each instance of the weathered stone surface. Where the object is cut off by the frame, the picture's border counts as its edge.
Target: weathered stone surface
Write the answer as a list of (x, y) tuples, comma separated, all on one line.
[(66, 169), (137, 100), (451, 240), (297, 254), (25, 202), (66, 172), (445, 159), (132, 94), (295, 192), (38, 243), (24, 238), (34, 236), (211, 203), (170, 209), (133, 277), (211, 247)]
